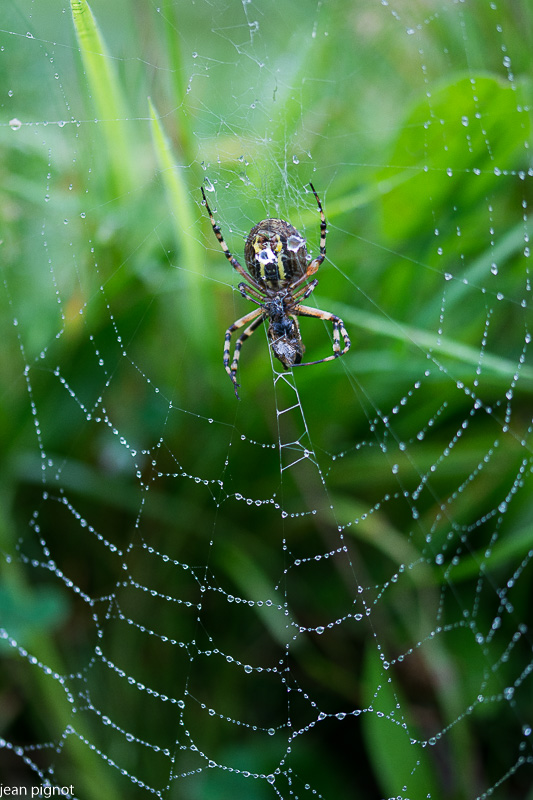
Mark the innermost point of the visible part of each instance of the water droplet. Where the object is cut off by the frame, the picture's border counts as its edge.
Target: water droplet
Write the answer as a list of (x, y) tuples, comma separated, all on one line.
[(15, 124)]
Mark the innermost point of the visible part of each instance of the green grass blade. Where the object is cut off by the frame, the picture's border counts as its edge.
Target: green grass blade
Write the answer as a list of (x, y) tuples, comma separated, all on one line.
[(429, 341), (510, 244), (171, 12), (190, 252), (106, 94)]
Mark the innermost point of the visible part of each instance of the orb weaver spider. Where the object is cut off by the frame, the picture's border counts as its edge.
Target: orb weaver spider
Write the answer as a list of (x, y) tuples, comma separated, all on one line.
[(275, 278)]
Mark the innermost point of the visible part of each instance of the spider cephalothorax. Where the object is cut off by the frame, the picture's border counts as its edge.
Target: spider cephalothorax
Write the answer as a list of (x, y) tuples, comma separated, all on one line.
[(277, 269)]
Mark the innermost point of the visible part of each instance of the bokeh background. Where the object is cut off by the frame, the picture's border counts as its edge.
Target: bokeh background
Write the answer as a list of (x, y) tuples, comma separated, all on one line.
[(323, 589)]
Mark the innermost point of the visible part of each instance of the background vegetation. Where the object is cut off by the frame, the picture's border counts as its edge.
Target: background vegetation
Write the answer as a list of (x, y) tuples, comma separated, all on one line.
[(117, 417)]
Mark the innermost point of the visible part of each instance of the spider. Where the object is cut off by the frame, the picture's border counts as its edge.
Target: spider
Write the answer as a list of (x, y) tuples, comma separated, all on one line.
[(275, 279)]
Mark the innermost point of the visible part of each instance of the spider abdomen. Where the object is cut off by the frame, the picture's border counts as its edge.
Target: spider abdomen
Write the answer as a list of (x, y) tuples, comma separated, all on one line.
[(285, 341), (275, 253)]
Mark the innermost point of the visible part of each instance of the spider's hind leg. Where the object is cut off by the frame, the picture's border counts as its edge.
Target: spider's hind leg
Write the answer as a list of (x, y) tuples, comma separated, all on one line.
[(339, 332), (255, 317)]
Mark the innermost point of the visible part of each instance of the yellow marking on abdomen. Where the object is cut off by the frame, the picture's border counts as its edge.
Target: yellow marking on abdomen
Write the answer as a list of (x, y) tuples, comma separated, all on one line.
[(279, 251)]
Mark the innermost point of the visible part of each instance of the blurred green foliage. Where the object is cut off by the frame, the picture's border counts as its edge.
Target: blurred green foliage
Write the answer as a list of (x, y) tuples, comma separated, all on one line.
[(416, 137)]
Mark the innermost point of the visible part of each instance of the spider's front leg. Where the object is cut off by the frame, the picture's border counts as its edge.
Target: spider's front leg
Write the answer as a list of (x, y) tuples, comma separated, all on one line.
[(314, 265), (304, 291), (255, 317), (227, 252)]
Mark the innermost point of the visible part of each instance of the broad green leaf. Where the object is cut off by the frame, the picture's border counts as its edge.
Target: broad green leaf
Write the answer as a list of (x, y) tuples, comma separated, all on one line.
[(447, 152)]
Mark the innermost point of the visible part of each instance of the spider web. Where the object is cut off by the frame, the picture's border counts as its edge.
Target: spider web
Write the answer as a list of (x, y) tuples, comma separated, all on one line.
[(322, 590)]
